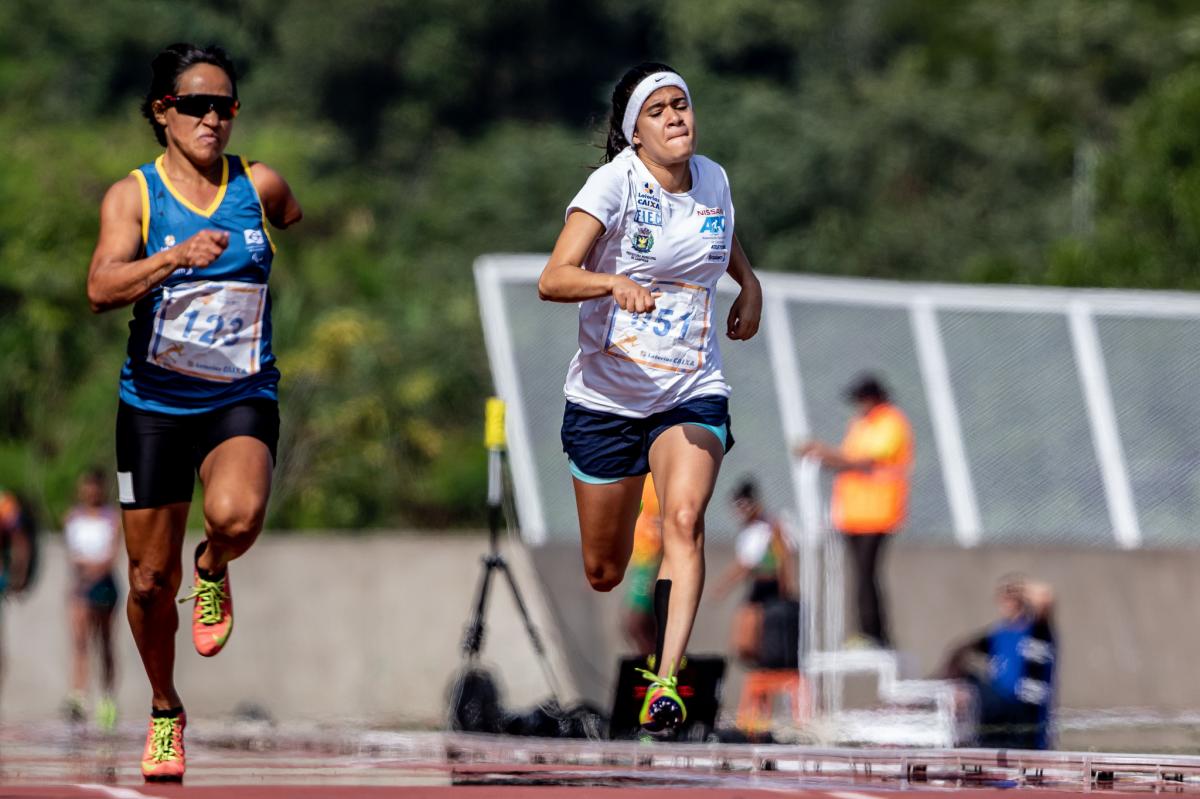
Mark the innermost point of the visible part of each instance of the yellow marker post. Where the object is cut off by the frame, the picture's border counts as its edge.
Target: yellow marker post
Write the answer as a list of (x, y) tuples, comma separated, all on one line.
[(493, 429), (494, 439)]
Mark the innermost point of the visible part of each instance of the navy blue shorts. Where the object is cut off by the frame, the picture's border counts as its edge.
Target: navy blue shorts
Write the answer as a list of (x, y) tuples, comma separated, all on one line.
[(606, 447), (101, 595)]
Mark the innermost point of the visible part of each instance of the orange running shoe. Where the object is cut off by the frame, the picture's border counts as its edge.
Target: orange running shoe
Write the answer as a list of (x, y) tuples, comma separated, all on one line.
[(163, 759), (212, 616)]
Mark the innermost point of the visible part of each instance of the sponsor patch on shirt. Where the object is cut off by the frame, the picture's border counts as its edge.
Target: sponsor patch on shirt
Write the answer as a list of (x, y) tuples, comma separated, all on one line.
[(647, 216), (713, 227), (647, 197), (255, 240), (642, 240)]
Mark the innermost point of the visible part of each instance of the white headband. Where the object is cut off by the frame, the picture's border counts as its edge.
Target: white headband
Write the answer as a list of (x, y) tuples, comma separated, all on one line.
[(647, 87)]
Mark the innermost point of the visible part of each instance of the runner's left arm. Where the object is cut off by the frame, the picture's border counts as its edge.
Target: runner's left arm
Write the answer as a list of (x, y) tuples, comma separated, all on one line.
[(746, 312), (786, 571), (117, 547), (20, 554), (730, 579), (279, 204)]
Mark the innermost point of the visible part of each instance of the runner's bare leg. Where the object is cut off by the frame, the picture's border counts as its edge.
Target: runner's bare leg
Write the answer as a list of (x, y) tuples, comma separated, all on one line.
[(684, 461)]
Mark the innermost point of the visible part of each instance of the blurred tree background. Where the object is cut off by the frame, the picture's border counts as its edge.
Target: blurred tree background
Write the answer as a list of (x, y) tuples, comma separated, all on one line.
[(1031, 141)]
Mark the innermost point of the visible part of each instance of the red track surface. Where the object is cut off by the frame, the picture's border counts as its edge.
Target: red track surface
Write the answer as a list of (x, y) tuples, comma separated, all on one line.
[(51, 760), (475, 792)]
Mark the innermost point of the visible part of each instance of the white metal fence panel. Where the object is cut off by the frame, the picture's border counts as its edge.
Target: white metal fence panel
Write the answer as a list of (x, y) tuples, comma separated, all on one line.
[(1041, 415)]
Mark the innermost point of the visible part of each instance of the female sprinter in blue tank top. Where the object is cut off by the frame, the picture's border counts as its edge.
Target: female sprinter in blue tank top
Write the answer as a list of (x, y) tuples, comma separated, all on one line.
[(645, 242), (184, 240)]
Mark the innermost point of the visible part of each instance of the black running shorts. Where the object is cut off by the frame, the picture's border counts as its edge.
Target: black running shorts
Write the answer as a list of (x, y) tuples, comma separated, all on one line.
[(158, 454)]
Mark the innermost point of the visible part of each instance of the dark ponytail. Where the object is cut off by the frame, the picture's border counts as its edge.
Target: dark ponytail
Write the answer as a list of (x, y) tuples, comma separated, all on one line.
[(172, 62), (620, 101)]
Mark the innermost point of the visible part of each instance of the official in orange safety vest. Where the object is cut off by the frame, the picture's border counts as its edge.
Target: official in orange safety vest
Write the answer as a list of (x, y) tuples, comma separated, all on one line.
[(870, 491)]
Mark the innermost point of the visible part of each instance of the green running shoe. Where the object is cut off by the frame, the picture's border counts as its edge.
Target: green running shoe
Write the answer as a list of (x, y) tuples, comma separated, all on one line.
[(663, 711), (106, 714)]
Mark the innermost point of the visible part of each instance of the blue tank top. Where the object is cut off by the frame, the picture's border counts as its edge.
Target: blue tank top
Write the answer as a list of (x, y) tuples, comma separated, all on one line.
[(201, 339)]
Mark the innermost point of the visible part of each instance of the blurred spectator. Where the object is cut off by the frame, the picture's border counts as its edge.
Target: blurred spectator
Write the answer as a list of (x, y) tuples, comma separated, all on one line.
[(16, 550), (870, 492), (640, 627), (92, 533), (764, 558), (16, 545), (1009, 669)]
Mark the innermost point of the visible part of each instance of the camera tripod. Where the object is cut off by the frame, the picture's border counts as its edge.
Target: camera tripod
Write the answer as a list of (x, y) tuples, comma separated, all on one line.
[(467, 700)]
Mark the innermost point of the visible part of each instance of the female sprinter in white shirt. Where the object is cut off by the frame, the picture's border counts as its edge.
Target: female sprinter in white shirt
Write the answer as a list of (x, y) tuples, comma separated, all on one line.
[(644, 244)]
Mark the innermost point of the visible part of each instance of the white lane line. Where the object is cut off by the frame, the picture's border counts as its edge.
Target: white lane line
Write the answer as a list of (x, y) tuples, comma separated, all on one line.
[(115, 792), (850, 795)]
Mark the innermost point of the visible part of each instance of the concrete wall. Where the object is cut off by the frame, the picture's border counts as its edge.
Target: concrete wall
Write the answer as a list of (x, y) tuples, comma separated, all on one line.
[(369, 627), (1125, 620), (349, 627)]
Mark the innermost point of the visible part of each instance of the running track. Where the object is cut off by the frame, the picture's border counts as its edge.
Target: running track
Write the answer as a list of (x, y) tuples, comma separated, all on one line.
[(54, 760), (468, 792)]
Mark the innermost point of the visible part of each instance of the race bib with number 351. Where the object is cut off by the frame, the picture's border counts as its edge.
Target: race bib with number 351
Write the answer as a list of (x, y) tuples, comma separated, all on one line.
[(671, 337), (209, 330)]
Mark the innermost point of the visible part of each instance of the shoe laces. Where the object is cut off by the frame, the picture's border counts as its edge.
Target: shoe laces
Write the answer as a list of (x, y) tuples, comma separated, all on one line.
[(162, 738), (670, 682), (209, 594)]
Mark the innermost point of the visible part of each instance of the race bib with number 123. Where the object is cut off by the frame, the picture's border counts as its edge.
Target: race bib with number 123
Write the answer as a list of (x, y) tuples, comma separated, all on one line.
[(210, 330)]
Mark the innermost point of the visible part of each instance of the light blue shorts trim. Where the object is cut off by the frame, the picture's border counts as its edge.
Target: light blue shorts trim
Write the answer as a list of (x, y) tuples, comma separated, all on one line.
[(720, 431), (578, 474)]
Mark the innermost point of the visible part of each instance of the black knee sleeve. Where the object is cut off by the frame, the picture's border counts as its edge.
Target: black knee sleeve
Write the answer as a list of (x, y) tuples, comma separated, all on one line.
[(662, 600)]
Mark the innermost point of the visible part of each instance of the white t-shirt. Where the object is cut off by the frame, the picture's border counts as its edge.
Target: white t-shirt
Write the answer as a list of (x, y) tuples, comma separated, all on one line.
[(91, 536), (678, 244), (753, 545)]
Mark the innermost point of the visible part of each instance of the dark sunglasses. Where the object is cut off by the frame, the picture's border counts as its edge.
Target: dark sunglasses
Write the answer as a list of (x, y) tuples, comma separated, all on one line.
[(198, 105)]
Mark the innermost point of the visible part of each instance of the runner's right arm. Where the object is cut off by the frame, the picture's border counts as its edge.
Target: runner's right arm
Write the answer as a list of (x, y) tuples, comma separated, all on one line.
[(833, 458), (565, 280), (117, 275)]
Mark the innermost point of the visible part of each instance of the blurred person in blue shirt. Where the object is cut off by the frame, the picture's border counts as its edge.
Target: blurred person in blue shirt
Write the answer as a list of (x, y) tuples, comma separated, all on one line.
[(1009, 669)]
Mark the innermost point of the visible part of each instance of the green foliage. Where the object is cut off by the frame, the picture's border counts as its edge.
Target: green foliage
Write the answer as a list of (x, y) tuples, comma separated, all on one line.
[(1040, 141), (1149, 191)]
